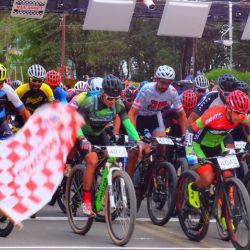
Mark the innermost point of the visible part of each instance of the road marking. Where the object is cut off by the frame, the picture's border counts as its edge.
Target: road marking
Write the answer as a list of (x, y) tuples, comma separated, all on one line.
[(84, 218), (115, 247)]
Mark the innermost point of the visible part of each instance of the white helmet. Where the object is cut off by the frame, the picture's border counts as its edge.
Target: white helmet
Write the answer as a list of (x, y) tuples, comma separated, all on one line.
[(96, 83), (15, 84), (201, 82), (81, 86), (165, 72), (37, 71)]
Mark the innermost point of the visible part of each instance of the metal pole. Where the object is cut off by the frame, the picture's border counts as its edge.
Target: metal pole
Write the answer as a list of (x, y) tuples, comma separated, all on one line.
[(231, 33), (63, 44)]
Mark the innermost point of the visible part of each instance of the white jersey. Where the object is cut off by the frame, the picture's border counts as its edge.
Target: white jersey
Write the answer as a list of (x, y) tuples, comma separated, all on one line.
[(149, 101)]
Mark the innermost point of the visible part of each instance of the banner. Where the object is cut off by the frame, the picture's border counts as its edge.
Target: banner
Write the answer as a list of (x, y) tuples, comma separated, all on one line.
[(32, 161), (29, 8)]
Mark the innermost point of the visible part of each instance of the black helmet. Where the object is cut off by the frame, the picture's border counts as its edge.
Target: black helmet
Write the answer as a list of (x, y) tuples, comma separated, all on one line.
[(227, 82), (243, 86), (112, 86)]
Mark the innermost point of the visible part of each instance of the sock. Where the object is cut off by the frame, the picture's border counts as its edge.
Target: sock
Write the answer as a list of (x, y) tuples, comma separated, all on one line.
[(86, 197)]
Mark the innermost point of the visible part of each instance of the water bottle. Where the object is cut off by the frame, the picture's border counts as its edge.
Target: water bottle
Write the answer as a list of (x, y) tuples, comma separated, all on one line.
[(192, 159)]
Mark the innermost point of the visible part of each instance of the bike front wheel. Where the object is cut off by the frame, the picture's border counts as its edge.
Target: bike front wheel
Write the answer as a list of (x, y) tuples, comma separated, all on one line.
[(121, 218), (79, 223), (161, 194), (6, 226), (237, 213)]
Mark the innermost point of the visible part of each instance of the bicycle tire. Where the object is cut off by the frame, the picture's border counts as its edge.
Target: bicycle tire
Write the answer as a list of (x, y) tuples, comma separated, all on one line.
[(181, 165), (74, 186), (61, 195), (224, 235), (241, 201), (6, 226), (242, 171), (130, 214), (188, 215), (163, 195)]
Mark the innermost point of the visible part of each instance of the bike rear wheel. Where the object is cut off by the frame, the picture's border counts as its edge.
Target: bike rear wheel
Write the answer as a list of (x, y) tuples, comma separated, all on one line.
[(237, 213), (79, 222), (6, 226), (121, 226), (161, 194), (194, 221), (61, 195)]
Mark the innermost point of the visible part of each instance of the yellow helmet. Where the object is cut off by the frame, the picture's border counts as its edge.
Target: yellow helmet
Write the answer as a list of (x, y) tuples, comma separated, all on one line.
[(3, 72)]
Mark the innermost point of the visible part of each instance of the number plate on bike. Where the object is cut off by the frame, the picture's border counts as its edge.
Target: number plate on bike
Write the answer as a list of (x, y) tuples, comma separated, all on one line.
[(164, 141), (240, 144), (117, 151), (228, 162)]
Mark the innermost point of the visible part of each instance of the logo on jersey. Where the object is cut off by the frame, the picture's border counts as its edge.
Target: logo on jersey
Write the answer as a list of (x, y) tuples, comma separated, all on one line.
[(34, 100), (212, 118), (155, 105)]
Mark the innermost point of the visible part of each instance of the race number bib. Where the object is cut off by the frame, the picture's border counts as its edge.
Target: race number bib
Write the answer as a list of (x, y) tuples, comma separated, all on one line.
[(240, 144), (228, 162), (117, 151), (164, 141)]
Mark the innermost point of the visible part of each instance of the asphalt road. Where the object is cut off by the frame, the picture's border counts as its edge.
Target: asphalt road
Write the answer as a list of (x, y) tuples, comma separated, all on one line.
[(50, 230)]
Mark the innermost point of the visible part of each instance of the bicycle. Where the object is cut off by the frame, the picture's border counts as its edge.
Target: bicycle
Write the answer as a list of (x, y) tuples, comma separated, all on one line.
[(113, 192), (226, 196), (157, 181)]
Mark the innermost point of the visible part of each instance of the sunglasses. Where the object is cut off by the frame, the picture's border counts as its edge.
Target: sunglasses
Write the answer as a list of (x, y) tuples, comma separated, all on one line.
[(237, 112), (164, 83), (200, 90), (129, 100), (36, 80), (110, 98)]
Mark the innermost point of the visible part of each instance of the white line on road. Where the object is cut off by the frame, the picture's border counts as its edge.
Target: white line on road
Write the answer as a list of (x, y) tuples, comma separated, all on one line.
[(115, 247), (84, 218)]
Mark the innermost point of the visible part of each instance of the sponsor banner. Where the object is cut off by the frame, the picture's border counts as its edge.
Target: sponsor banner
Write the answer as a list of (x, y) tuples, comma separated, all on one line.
[(29, 8), (33, 160)]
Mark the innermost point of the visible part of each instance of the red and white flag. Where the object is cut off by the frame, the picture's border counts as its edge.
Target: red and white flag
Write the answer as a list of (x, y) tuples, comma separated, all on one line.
[(32, 161)]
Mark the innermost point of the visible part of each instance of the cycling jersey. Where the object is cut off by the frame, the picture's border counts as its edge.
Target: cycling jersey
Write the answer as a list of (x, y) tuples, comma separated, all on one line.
[(211, 99), (60, 94), (34, 99), (211, 129), (7, 94), (97, 115), (149, 101)]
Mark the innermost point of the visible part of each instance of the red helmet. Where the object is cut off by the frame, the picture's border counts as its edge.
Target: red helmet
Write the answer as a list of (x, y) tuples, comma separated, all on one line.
[(238, 101), (189, 99), (53, 78)]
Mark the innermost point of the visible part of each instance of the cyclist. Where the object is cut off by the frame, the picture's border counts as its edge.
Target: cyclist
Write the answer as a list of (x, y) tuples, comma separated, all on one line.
[(8, 96), (79, 87), (15, 84), (201, 86), (206, 136), (95, 84), (35, 93), (227, 83), (53, 79), (128, 97), (98, 111), (145, 112)]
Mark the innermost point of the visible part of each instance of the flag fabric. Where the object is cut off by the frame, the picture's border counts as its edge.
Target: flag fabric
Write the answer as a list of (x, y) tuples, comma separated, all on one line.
[(32, 161)]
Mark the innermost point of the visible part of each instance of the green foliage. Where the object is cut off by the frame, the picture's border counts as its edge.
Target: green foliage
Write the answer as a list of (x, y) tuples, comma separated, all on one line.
[(214, 74)]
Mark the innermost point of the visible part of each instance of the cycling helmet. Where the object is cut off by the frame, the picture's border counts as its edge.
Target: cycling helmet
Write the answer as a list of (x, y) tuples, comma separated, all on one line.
[(165, 72), (227, 82), (3, 72), (189, 99), (53, 78), (238, 101), (95, 83), (201, 82), (15, 84), (130, 92), (112, 86), (37, 71), (81, 86), (243, 86), (143, 83)]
